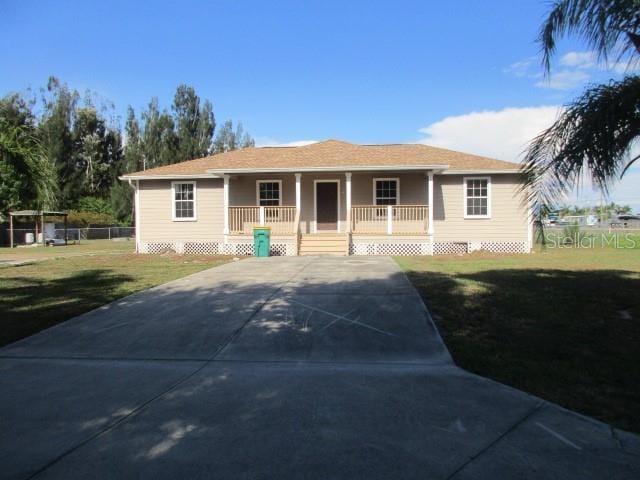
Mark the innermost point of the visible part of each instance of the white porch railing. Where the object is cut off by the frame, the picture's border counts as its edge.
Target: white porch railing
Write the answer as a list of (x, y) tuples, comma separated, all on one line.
[(281, 220), (389, 219)]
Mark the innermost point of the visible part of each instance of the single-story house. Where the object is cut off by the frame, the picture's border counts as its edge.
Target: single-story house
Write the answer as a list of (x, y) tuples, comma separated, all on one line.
[(333, 197)]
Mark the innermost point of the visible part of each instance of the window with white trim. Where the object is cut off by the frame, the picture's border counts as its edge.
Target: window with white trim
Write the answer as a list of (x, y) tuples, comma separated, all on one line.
[(477, 197), (386, 191), (269, 193), (184, 200)]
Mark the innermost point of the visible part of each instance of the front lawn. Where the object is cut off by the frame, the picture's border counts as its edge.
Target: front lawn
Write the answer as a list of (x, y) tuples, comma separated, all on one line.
[(86, 247), (38, 295), (563, 324)]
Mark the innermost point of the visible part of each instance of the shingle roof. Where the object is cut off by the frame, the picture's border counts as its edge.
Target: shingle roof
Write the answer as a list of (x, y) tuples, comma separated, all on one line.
[(330, 154)]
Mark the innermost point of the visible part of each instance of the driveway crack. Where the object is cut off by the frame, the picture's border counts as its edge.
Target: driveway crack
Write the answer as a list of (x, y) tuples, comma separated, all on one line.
[(481, 452)]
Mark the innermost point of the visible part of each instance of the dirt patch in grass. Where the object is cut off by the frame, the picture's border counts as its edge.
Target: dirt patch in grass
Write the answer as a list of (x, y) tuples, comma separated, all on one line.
[(563, 325), (41, 294)]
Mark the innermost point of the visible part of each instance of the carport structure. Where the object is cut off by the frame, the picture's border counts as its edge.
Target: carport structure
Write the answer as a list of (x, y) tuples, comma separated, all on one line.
[(39, 216)]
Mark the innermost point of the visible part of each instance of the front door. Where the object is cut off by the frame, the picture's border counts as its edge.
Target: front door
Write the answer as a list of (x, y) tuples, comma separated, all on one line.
[(326, 206)]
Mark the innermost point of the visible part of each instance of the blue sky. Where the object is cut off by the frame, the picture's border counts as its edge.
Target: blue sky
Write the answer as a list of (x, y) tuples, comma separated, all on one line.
[(464, 75)]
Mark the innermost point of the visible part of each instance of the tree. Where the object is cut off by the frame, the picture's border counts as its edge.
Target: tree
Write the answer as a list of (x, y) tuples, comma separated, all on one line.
[(59, 109), (596, 131), (97, 154), (160, 142), (227, 139), (27, 177), (122, 202), (194, 125), (133, 148), (84, 146)]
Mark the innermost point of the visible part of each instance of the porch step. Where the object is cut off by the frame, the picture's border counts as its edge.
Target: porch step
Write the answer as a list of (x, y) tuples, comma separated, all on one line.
[(323, 244)]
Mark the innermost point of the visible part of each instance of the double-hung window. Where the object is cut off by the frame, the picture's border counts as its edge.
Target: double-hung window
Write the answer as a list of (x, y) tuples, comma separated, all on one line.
[(269, 193), (386, 191), (183, 200), (477, 197)]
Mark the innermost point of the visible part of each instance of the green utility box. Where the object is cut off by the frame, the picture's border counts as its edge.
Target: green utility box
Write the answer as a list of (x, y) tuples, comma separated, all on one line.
[(262, 241)]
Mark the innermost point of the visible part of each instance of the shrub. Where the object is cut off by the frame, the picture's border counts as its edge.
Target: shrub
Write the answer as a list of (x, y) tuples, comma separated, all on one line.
[(89, 219), (572, 235), (95, 205)]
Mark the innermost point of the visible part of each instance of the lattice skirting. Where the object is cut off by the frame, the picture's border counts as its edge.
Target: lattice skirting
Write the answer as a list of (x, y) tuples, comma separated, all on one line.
[(367, 247), (372, 247), (214, 248), (505, 247), (188, 248), (453, 248), (278, 249), (390, 248), (449, 248)]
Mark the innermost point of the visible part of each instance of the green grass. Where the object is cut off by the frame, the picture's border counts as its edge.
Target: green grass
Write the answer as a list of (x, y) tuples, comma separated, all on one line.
[(87, 247), (48, 291), (563, 324)]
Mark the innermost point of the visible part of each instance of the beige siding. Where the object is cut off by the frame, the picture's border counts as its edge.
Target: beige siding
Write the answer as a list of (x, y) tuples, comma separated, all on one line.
[(413, 188), (156, 222), (242, 189), (508, 220)]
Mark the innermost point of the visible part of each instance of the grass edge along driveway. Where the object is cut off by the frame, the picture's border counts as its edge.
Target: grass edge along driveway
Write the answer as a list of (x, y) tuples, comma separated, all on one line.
[(44, 293), (561, 324)]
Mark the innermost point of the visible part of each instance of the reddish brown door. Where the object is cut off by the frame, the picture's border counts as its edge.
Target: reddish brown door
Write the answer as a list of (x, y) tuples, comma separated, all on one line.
[(326, 206)]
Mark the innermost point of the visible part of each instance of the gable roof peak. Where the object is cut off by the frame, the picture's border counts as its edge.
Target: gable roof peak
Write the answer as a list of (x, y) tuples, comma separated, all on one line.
[(333, 141)]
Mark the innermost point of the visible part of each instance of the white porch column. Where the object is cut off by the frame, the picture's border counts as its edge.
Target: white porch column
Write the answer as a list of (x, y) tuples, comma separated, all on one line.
[(348, 206), (430, 229), (298, 192), (136, 207), (225, 202), (389, 219)]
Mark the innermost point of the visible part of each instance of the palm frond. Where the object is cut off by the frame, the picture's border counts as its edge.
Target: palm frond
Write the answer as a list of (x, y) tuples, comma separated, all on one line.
[(608, 26), (594, 133), (20, 147)]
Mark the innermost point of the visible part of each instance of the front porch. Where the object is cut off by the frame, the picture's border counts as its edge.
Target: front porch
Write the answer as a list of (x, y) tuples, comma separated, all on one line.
[(361, 219), (353, 206)]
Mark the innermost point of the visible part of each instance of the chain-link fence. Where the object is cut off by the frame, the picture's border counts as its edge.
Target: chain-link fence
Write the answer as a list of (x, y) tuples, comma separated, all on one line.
[(28, 235)]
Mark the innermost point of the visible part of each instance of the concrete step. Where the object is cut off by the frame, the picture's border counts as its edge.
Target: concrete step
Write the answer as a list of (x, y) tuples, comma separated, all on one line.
[(323, 244), (319, 254), (324, 248), (323, 236)]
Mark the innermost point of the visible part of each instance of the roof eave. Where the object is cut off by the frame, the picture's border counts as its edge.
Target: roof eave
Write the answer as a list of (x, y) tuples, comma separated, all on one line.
[(479, 171), (359, 168), (185, 176)]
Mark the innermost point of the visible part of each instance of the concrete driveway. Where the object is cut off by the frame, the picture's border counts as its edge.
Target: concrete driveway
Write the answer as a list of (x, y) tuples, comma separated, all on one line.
[(279, 368)]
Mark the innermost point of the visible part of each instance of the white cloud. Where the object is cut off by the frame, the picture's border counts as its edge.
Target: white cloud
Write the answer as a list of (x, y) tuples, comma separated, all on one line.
[(500, 134), (505, 134), (270, 142), (579, 59), (564, 80), (522, 68), (589, 60), (572, 70)]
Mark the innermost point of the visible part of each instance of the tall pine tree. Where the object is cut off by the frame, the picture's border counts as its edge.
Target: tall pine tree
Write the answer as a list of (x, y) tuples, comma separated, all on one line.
[(194, 125)]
